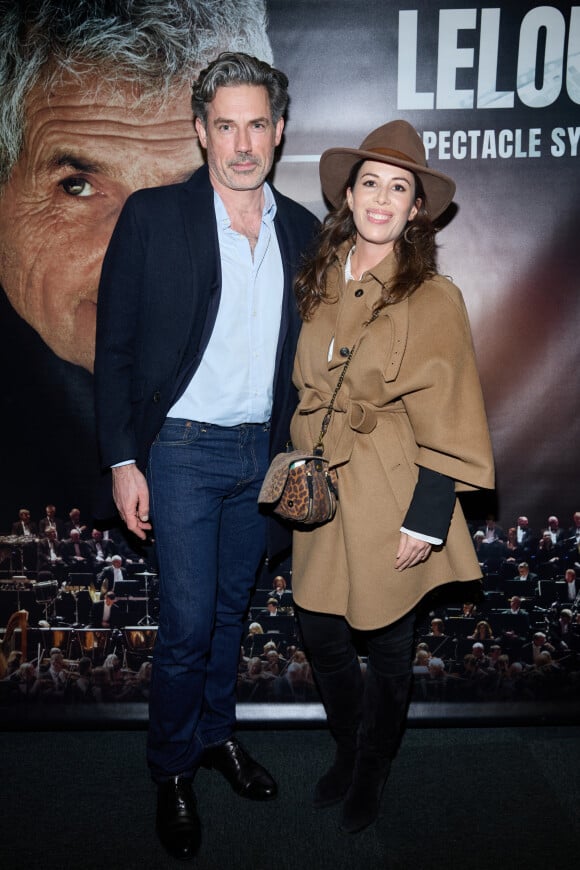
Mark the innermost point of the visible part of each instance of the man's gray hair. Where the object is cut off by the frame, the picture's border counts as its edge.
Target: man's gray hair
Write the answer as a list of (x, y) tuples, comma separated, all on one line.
[(238, 68), (150, 44)]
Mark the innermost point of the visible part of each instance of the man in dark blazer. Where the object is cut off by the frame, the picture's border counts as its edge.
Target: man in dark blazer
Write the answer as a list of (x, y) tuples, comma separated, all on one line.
[(196, 334), (75, 523), (525, 537), (51, 555), (76, 552), (111, 574), (24, 526), (51, 521), (101, 550)]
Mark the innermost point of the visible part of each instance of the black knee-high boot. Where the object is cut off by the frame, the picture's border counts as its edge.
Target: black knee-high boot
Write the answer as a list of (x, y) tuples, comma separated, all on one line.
[(341, 692), (385, 702)]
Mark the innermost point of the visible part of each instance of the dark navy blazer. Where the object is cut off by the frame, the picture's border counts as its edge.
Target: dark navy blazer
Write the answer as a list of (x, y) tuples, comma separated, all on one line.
[(158, 300)]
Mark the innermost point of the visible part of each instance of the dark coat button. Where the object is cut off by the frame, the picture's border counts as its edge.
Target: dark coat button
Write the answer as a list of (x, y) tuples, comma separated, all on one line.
[(344, 351), (358, 292), (157, 397)]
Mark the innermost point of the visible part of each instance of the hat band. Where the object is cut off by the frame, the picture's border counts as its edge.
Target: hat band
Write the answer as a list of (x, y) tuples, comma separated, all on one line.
[(398, 155)]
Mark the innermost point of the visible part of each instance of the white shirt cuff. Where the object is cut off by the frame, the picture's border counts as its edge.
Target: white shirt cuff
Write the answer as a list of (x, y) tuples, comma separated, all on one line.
[(419, 537), (125, 462)]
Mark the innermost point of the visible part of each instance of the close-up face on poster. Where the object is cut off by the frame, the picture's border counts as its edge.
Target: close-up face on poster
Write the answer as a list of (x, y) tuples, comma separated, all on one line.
[(94, 108)]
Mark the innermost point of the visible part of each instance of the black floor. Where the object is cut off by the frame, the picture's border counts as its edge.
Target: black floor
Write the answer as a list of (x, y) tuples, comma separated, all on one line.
[(458, 798)]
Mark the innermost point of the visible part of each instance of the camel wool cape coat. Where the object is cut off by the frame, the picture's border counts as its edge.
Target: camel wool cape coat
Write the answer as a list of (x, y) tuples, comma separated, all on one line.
[(411, 397)]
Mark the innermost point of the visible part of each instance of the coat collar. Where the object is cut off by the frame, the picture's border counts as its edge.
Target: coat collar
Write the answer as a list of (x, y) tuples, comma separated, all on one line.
[(394, 318), (382, 272)]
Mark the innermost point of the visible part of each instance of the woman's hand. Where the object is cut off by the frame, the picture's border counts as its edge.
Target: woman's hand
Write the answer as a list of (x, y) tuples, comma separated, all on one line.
[(410, 552)]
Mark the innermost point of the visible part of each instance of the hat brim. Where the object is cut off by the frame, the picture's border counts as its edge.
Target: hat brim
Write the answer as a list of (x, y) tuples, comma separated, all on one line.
[(336, 165)]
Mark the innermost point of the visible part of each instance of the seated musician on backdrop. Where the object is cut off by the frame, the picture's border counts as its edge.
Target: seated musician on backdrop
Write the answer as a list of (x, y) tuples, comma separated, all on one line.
[(24, 554), (110, 575), (24, 526), (548, 550), (572, 592), (481, 658), (51, 554), (553, 527), (83, 685), (75, 551), (271, 607), (421, 662), (280, 592), (106, 613), (101, 550), (437, 641), (525, 537), (482, 631), (75, 522), (514, 551), (495, 654), (491, 531), (57, 671), (254, 642), (561, 633), (51, 521), (521, 618), (274, 662), (437, 627), (480, 546), (530, 652), (524, 573)]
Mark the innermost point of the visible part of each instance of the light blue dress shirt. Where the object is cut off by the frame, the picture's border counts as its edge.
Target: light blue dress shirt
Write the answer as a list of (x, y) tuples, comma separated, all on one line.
[(234, 381)]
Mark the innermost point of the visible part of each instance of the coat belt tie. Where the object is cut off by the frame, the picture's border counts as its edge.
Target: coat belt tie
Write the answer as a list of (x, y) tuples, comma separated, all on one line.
[(360, 416)]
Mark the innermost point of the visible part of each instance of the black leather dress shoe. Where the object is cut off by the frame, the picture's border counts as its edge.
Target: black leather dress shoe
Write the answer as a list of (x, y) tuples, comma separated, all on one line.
[(247, 778), (178, 825)]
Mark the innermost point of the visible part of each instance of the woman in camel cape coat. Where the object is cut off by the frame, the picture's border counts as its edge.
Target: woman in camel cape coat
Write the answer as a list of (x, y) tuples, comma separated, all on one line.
[(408, 431), (411, 397)]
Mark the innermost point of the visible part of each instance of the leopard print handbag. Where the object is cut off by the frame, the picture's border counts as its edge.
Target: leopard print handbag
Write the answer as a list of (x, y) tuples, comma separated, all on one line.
[(301, 488)]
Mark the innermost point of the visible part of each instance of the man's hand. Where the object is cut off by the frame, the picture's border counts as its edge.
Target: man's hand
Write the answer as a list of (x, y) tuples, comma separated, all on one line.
[(411, 551), (131, 496)]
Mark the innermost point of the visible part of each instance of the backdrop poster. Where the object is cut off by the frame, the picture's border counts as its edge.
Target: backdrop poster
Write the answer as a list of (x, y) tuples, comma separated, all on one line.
[(494, 90)]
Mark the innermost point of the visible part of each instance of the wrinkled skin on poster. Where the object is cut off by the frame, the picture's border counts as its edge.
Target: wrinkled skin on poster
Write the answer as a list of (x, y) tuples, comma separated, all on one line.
[(86, 150)]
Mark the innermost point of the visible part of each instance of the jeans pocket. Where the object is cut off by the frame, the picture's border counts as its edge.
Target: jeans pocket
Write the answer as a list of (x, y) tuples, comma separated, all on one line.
[(178, 433)]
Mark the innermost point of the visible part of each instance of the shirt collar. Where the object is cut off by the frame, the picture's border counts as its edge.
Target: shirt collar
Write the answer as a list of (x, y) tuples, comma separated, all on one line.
[(382, 272), (268, 212), (348, 276)]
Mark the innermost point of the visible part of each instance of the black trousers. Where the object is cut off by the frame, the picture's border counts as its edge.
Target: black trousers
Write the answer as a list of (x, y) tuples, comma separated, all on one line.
[(329, 641)]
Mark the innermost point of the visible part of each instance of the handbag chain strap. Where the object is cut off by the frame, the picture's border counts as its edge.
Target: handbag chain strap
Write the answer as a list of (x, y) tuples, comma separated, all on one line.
[(319, 446)]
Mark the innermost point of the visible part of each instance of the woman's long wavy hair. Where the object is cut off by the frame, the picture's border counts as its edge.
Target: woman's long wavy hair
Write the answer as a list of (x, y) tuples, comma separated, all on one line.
[(415, 251)]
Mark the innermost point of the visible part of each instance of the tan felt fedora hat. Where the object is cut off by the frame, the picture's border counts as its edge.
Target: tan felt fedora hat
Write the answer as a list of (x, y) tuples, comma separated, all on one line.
[(397, 143)]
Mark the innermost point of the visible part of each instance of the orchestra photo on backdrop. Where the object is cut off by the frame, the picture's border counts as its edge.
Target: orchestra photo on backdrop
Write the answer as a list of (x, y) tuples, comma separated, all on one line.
[(78, 620)]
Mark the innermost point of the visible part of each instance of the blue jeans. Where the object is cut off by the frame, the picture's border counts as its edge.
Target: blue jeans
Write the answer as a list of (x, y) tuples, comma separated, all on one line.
[(210, 538)]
